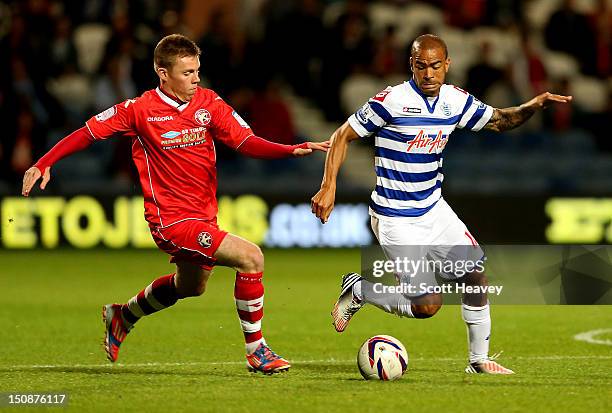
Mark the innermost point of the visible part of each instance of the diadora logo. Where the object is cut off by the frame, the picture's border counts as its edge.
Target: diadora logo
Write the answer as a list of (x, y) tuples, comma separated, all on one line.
[(202, 116), (170, 134), (411, 110), (426, 141), (159, 118)]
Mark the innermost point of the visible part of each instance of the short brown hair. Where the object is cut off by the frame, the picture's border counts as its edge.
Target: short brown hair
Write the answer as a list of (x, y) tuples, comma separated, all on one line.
[(173, 47)]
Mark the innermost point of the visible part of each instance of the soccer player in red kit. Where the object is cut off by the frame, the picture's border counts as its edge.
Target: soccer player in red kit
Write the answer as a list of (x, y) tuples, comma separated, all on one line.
[(174, 128)]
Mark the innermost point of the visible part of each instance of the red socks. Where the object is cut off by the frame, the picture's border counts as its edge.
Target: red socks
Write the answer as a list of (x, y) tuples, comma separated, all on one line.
[(160, 294), (248, 292)]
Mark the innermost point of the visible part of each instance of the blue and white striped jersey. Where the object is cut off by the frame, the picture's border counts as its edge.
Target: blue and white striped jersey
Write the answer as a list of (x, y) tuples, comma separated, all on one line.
[(410, 131)]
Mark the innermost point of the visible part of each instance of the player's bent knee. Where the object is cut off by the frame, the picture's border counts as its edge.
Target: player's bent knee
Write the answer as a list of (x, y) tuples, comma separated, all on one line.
[(200, 289), (254, 260), (194, 290), (426, 310)]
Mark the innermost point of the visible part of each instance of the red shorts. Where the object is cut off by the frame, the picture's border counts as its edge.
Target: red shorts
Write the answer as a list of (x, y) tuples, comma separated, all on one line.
[(192, 240)]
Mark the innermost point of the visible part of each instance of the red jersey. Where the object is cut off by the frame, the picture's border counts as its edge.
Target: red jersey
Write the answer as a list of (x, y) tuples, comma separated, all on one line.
[(174, 150)]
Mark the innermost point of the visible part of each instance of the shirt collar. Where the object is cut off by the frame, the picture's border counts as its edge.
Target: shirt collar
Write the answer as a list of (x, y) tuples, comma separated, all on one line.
[(430, 107), (171, 101)]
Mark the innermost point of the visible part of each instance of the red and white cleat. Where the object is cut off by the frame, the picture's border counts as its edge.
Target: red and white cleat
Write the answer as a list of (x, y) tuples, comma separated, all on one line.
[(266, 361), (489, 366), (115, 330)]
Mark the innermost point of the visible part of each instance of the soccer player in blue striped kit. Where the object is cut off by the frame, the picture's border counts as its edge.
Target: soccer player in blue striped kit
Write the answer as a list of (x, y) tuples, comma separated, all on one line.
[(411, 123)]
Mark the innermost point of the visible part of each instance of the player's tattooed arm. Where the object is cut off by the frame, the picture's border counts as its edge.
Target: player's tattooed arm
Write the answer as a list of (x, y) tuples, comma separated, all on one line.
[(510, 118)]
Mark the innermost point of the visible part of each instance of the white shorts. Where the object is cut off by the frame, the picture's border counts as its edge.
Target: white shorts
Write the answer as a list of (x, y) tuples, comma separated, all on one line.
[(439, 237)]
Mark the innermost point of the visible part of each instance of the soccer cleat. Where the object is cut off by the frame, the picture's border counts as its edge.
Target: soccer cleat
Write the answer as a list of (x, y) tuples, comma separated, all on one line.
[(488, 366), (115, 330), (347, 304), (266, 361)]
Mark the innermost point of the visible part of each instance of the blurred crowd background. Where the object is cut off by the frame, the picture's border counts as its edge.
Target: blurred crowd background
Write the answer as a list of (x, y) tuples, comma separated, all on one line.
[(295, 69)]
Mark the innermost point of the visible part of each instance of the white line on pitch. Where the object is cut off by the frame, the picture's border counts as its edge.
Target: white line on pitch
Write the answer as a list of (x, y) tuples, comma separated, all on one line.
[(590, 336), (326, 361)]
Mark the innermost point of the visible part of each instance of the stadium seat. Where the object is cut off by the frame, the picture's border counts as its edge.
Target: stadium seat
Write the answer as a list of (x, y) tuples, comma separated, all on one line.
[(504, 44), (414, 17), (73, 91), (90, 40), (356, 90), (559, 65), (590, 93), (537, 12), (462, 50), (383, 15)]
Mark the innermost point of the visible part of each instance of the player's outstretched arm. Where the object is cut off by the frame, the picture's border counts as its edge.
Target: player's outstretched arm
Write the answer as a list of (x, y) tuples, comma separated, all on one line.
[(510, 118), (323, 202), (257, 147), (76, 141), (32, 175), (307, 148)]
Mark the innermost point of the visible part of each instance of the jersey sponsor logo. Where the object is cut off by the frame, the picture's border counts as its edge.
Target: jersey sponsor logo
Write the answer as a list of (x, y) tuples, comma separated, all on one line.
[(380, 96), (364, 114), (205, 239), (239, 119), (431, 144), (170, 134), (159, 118), (107, 114), (447, 109), (411, 110), (183, 139), (202, 117)]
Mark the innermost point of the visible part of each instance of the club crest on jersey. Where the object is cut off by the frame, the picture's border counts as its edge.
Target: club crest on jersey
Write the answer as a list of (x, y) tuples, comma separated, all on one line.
[(107, 114), (202, 116), (446, 109), (205, 239)]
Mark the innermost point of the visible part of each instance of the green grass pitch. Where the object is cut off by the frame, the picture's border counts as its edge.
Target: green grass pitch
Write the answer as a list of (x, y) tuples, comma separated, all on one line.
[(191, 356)]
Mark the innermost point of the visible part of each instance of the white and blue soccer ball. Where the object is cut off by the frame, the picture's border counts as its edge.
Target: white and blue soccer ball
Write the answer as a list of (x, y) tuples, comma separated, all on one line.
[(382, 357)]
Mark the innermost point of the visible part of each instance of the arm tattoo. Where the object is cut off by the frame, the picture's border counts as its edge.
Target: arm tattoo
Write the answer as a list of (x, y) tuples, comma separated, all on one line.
[(509, 118)]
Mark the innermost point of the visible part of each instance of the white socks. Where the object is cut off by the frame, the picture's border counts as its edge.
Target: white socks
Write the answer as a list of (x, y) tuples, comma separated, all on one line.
[(478, 322), (394, 303), (251, 347), (357, 290)]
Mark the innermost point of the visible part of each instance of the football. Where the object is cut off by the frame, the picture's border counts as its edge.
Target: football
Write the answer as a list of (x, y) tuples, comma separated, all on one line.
[(382, 357)]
